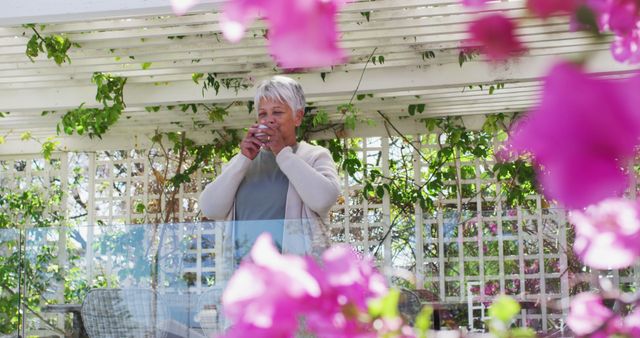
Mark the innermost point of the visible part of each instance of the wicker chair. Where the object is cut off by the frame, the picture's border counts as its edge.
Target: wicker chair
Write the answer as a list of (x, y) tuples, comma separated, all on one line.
[(409, 305), (123, 313), (209, 311)]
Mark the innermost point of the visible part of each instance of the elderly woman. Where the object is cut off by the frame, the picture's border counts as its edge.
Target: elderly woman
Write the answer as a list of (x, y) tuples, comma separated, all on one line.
[(275, 184)]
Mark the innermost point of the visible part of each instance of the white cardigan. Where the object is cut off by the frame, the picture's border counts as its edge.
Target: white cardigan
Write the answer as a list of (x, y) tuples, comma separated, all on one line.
[(313, 190)]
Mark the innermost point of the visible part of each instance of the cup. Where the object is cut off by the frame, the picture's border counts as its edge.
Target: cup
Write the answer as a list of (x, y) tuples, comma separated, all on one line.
[(261, 136)]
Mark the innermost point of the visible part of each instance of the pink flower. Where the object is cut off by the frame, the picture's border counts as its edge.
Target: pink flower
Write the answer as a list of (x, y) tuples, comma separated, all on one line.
[(180, 7), (587, 314), (589, 317), (622, 17), (267, 292), (302, 33), (608, 234), (474, 3), (627, 48), (270, 292), (545, 8), (581, 141), (348, 282), (494, 34), (493, 228), (353, 277), (491, 288), (632, 323)]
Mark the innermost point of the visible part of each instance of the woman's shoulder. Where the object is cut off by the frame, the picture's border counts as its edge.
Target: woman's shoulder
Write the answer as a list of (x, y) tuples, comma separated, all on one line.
[(309, 149)]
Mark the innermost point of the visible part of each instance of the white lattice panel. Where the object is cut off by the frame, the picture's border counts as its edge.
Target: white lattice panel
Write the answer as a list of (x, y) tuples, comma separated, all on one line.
[(474, 239), (359, 221)]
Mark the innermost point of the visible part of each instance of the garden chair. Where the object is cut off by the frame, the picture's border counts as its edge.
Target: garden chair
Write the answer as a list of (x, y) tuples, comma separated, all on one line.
[(209, 311), (123, 313)]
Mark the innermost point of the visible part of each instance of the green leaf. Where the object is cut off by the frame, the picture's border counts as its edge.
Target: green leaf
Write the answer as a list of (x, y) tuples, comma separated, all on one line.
[(367, 15), (48, 147), (430, 124), (491, 89), (217, 114), (504, 308), (522, 332), (423, 321), (462, 57), (2, 140), (428, 55), (350, 122), (25, 136), (157, 138), (323, 75), (32, 48), (412, 109), (140, 208), (196, 77), (420, 108), (320, 118), (3, 114), (146, 65), (587, 19), (385, 307), (361, 97)]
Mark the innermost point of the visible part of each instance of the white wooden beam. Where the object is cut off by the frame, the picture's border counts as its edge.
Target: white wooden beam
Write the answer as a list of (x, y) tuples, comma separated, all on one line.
[(49, 11), (375, 80)]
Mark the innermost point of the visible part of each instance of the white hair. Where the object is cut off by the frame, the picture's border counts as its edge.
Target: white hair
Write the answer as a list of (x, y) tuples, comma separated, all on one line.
[(281, 89)]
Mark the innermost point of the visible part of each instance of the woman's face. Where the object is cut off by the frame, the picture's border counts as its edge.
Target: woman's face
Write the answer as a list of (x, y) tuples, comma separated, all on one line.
[(282, 115)]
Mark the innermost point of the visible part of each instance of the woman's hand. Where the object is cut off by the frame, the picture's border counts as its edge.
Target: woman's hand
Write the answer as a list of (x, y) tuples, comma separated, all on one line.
[(250, 145), (273, 140)]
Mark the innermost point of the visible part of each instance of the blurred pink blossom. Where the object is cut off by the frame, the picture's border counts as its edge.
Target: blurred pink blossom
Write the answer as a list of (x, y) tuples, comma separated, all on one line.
[(353, 277), (545, 8), (621, 17), (627, 48), (491, 288), (589, 317), (301, 33), (348, 282), (180, 7), (617, 16), (581, 142), (632, 323), (268, 291), (587, 314), (608, 234), (494, 35), (493, 228), (474, 3)]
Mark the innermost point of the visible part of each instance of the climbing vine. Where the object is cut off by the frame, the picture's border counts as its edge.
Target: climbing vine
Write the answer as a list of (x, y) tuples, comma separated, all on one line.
[(96, 121), (213, 80), (56, 46)]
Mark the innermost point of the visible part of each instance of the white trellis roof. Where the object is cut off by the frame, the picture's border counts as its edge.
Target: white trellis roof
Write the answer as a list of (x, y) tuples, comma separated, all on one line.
[(118, 37)]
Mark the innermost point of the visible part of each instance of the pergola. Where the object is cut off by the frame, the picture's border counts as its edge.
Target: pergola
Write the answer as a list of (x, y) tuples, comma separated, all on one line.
[(402, 53)]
